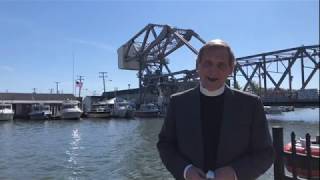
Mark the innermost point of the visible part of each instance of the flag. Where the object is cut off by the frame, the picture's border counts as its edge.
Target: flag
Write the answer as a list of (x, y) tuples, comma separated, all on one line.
[(79, 84)]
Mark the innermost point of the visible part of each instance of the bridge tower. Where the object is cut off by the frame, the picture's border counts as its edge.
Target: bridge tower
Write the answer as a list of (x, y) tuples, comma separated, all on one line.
[(147, 52)]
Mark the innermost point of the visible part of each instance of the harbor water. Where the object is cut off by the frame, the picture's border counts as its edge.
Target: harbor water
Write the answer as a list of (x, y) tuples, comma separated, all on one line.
[(103, 148)]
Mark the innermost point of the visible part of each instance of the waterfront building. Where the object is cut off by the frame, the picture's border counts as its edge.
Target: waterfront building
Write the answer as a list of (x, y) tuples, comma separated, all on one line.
[(22, 102)]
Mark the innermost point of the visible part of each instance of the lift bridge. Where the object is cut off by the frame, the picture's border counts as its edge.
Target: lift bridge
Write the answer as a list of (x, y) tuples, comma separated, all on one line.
[(266, 74)]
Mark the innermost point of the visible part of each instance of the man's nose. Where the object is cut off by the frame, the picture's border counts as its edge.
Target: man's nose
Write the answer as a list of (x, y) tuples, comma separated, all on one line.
[(213, 69)]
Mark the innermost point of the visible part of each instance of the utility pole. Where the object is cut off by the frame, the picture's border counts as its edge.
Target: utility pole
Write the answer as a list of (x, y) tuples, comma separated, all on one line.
[(51, 90), (57, 87), (80, 83), (103, 76), (115, 91), (34, 90)]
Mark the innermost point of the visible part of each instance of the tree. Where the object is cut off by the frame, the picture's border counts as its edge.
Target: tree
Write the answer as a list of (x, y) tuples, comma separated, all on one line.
[(236, 85), (254, 88)]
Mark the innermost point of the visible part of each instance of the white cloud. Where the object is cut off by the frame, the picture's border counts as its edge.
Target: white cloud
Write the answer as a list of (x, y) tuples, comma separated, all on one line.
[(94, 44)]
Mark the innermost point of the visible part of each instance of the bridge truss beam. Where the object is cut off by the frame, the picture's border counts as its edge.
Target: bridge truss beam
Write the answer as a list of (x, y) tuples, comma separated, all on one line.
[(260, 67), (151, 46)]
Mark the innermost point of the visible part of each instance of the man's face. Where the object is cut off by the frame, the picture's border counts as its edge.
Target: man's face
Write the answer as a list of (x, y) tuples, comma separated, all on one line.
[(214, 68)]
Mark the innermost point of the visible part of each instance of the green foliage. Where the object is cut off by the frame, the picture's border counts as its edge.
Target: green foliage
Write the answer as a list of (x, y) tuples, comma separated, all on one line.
[(254, 87), (236, 85)]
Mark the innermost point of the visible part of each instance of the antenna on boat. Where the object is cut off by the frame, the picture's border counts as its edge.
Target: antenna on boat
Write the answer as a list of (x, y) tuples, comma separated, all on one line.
[(73, 82), (79, 83)]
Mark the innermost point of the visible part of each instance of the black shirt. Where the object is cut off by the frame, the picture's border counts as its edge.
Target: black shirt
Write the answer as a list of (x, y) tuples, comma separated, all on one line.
[(211, 108)]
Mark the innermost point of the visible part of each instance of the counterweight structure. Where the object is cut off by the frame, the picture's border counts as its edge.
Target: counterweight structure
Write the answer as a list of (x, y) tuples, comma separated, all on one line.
[(147, 53)]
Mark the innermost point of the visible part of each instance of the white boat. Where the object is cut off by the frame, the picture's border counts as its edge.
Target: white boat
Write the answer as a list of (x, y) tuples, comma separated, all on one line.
[(70, 110), (299, 114), (123, 110), (147, 110), (277, 109), (120, 108), (99, 110), (6, 112), (40, 112)]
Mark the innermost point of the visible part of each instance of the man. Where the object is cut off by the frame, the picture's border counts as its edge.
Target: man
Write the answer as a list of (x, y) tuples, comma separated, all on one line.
[(212, 131)]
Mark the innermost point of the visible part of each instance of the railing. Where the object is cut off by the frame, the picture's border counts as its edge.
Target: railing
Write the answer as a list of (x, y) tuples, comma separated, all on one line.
[(301, 165)]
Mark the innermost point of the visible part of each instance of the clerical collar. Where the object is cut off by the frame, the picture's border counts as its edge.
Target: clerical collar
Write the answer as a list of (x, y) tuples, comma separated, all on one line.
[(206, 92)]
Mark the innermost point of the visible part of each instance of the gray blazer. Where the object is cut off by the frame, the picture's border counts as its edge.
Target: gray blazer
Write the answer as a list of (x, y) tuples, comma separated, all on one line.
[(245, 142)]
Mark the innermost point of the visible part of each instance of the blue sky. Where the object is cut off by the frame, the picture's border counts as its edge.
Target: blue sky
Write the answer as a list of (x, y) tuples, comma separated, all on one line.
[(38, 39)]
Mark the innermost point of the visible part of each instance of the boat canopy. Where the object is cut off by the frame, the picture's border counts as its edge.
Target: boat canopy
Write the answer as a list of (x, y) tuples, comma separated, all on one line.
[(116, 100)]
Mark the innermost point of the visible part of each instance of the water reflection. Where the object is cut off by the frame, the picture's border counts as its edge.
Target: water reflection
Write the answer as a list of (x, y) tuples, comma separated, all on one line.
[(73, 153), (94, 149)]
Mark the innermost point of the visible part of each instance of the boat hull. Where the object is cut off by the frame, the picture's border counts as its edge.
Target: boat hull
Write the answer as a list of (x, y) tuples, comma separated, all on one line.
[(6, 116), (146, 114), (302, 161), (123, 113), (98, 115), (71, 115), (39, 116)]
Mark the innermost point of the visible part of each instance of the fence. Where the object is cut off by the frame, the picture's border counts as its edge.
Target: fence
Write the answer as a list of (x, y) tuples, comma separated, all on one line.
[(301, 161)]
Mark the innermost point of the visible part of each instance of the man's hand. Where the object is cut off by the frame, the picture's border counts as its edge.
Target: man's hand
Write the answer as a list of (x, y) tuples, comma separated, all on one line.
[(195, 173), (225, 173)]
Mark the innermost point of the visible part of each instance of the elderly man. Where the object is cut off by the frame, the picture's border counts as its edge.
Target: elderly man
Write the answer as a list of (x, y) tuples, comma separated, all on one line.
[(212, 131)]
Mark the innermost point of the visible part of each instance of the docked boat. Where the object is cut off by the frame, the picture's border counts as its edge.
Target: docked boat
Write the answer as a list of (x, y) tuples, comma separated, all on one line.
[(272, 110), (120, 108), (40, 112), (148, 110), (70, 110), (277, 109), (301, 159), (6, 112), (99, 110)]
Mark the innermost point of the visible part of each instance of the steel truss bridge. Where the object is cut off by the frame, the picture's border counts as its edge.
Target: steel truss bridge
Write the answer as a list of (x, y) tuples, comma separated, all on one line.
[(286, 58), (148, 51)]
